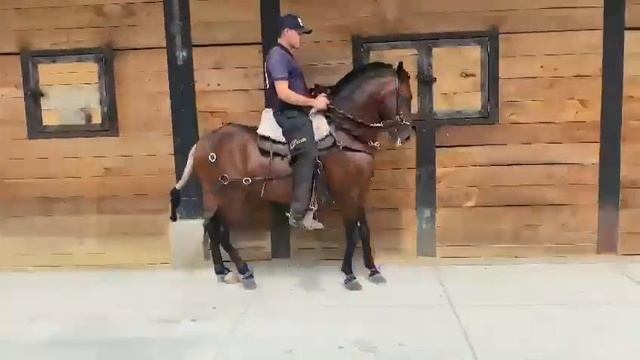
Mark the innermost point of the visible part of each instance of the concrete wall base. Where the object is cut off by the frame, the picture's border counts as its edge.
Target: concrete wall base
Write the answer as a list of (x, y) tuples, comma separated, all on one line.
[(187, 249)]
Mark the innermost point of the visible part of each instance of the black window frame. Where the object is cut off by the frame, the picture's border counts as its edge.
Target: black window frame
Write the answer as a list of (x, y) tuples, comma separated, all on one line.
[(488, 41), (103, 57)]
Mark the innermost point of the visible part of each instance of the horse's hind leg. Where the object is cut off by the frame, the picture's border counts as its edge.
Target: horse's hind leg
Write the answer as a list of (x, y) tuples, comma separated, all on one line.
[(350, 281), (212, 227), (365, 235), (246, 274)]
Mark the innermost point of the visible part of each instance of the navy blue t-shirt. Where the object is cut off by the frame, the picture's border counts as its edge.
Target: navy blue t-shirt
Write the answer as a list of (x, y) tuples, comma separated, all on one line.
[(281, 65)]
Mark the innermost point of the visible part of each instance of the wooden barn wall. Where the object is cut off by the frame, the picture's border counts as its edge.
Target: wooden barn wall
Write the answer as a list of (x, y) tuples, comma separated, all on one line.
[(630, 161), (229, 84), (87, 201), (526, 186), (225, 22), (45, 24)]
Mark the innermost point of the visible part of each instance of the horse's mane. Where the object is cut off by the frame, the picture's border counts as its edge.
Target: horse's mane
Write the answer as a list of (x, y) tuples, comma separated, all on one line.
[(360, 74)]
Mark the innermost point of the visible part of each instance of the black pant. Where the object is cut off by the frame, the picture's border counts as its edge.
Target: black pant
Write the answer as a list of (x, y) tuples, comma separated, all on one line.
[(298, 131)]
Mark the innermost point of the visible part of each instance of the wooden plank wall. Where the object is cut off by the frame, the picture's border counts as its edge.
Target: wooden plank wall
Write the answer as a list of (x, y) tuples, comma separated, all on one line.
[(223, 22), (44, 24), (527, 186), (230, 86), (87, 201), (630, 163), (227, 62)]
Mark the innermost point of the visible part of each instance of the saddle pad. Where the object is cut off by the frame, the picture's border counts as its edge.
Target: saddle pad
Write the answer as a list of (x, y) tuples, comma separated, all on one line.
[(269, 127), (267, 146)]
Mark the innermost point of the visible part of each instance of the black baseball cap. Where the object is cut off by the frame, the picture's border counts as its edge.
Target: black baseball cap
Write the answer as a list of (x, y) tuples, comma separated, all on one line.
[(293, 22)]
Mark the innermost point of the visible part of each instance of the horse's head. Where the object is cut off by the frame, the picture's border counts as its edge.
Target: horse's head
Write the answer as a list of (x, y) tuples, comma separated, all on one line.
[(378, 97), (398, 106)]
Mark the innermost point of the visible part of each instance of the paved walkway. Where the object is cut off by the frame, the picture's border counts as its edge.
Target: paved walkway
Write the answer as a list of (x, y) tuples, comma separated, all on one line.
[(429, 311)]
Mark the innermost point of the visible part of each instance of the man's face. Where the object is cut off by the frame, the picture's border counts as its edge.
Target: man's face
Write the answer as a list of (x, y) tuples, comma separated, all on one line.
[(292, 38)]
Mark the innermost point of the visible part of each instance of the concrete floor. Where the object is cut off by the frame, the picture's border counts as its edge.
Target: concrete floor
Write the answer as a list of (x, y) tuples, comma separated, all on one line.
[(578, 310)]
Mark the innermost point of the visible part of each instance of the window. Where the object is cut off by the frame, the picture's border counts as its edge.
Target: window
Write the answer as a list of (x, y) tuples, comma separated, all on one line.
[(69, 93), (454, 76)]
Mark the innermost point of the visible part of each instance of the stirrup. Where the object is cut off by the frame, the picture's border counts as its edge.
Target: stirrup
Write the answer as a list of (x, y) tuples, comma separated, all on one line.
[(307, 223), (310, 223), (309, 220)]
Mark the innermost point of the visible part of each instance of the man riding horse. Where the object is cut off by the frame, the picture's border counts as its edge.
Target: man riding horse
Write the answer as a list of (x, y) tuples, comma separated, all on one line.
[(289, 98), (240, 167)]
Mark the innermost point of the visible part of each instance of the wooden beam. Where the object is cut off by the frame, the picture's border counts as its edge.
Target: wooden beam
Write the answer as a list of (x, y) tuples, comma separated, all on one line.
[(280, 230), (611, 126), (426, 194), (426, 188), (182, 92), (269, 20)]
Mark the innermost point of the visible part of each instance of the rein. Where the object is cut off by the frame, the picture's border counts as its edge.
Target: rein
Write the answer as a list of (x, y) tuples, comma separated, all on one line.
[(379, 125)]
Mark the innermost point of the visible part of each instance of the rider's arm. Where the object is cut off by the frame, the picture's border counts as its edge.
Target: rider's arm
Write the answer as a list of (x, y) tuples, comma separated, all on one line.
[(287, 95), (278, 66)]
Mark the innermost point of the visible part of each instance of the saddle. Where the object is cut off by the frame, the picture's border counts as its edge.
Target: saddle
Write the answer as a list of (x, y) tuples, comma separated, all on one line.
[(271, 142)]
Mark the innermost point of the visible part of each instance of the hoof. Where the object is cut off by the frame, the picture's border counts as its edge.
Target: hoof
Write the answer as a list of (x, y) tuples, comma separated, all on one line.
[(377, 278), (352, 284), (225, 275), (249, 281), (230, 278)]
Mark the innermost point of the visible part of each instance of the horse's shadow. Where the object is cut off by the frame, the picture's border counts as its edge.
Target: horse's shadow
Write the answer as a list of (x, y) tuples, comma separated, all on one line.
[(308, 279)]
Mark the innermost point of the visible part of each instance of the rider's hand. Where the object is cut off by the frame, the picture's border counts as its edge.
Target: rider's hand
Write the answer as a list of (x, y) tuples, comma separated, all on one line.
[(321, 102)]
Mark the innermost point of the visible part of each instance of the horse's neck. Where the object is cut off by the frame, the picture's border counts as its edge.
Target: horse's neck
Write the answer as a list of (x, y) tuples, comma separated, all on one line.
[(360, 103), (357, 132), (363, 101), (363, 110)]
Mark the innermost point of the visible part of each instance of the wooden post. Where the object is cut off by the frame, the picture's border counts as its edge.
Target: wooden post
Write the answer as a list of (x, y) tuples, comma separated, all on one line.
[(426, 187), (280, 230), (426, 158), (611, 126), (184, 118)]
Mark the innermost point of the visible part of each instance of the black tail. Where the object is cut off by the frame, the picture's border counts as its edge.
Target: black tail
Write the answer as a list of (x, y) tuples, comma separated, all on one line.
[(175, 192), (175, 202)]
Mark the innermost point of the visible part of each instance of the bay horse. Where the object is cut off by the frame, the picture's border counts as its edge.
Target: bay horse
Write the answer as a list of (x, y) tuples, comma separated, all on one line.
[(235, 165)]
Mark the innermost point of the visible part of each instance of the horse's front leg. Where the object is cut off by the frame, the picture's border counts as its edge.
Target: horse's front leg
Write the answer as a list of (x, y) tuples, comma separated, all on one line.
[(350, 281), (365, 235)]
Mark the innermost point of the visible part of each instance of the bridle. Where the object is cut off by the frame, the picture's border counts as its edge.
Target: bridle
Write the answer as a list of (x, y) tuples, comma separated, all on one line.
[(398, 119), (394, 123)]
